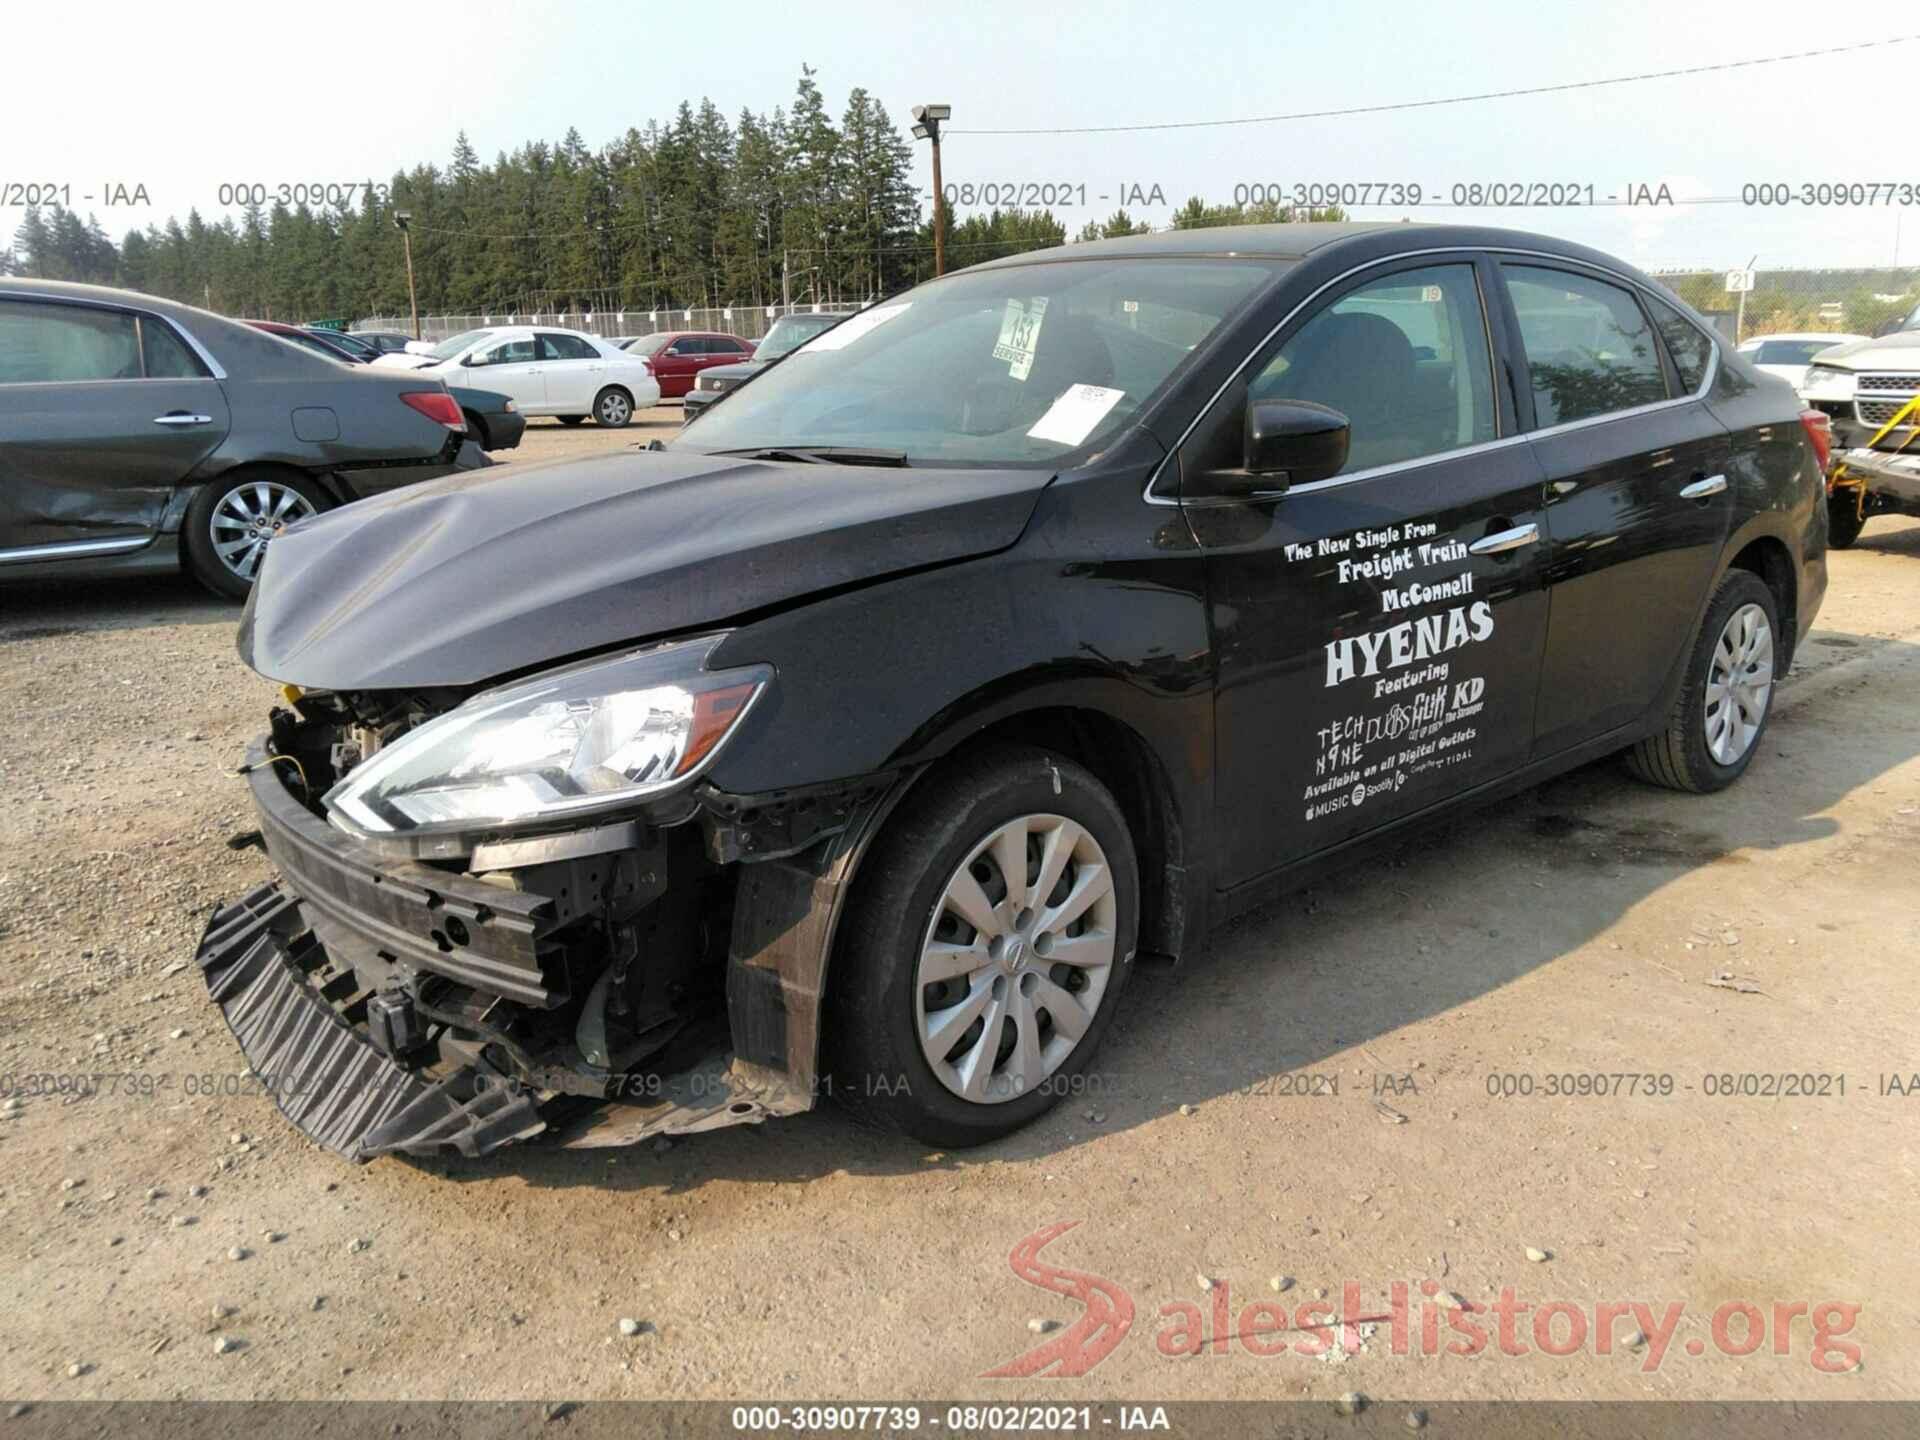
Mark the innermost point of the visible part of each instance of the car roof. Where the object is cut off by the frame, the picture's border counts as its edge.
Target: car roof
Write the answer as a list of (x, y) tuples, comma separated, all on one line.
[(1313, 239)]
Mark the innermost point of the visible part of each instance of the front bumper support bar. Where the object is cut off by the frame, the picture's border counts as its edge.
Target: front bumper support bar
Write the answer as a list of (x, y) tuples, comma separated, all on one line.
[(321, 1072)]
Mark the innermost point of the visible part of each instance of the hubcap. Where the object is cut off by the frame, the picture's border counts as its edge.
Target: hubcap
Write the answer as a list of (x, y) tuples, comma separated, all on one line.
[(1739, 684), (614, 409), (248, 518), (1016, 959)]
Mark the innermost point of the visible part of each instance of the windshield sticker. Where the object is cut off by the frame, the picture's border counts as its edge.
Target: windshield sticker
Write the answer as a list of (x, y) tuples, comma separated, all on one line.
[(1020, 335), (850, 330), (1071, 418)]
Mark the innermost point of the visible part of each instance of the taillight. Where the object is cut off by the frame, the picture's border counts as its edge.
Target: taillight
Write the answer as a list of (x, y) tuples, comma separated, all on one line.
[(1819, 428), (436, 405)]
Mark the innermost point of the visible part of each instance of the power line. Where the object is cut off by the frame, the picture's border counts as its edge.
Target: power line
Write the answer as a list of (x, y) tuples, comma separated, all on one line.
[(1449, 100)]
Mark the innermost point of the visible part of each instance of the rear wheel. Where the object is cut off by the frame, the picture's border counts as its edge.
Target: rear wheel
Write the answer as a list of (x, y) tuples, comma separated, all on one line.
[(1844, 520), (985, 950), (231, 522), (1715, 727), (612, 407), (569, 419)]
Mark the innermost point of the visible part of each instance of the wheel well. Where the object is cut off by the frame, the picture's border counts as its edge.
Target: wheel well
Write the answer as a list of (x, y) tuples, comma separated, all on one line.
[(477, 426), (1122, 761), (327, 484), (1770, 559)]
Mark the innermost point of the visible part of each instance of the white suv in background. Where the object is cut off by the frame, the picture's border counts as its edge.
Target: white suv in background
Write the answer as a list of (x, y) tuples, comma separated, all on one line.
[(545, 371)]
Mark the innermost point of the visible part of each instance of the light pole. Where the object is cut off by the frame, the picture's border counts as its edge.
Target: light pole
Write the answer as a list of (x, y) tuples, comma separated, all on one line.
[(926, 126), (400, 221)]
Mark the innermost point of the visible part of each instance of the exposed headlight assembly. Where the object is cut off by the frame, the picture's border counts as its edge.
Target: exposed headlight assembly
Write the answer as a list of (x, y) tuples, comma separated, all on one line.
[(572, 742), (1828, 383)]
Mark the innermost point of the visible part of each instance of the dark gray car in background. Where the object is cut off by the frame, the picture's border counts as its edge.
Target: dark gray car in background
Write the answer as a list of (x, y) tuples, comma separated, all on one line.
[(141, 435), (787, 334)]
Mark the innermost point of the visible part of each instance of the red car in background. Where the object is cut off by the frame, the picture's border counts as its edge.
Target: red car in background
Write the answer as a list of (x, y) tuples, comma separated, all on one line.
[(677, 357)]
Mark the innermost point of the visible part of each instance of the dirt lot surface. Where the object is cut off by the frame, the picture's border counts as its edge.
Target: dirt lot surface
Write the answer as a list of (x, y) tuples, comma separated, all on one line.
[(1593, 927)]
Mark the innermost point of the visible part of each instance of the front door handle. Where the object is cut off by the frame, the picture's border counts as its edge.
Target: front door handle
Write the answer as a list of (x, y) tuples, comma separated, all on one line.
[(180, 417), (1504, 540), (1703, 487)]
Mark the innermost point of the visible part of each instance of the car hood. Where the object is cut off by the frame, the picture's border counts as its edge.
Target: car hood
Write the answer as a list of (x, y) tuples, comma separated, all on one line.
[(1899, 351), (740, 370), (470, 578), (405, 360)]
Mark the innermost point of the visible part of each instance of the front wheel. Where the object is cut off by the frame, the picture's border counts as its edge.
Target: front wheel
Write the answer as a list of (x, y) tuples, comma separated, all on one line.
[(1715, 727), (1844, 520), (985, 949), (613, 408), (231, 522)]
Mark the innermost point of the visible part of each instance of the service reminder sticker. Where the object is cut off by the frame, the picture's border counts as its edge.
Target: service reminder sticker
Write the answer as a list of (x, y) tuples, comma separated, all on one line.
[(1020, 335), (1071, 418)]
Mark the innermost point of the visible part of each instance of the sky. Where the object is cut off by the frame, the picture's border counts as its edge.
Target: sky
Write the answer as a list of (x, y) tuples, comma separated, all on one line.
[(181, 98)]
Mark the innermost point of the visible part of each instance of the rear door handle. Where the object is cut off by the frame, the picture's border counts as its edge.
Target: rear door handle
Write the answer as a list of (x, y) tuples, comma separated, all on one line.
[(1504, 540), (1702, 488), (180, 417)]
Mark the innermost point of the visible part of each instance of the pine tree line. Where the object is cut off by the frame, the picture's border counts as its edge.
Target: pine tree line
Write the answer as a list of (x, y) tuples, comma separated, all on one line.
[(698, 212)]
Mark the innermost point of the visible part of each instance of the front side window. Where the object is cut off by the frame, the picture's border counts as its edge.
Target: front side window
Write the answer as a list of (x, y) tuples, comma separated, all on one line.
[(1019, 365), (52, 343), (1589, 348), (1403, 357), (513, 352)]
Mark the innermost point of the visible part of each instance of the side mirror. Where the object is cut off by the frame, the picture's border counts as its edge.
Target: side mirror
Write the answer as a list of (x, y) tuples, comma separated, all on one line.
[(1283, 443)]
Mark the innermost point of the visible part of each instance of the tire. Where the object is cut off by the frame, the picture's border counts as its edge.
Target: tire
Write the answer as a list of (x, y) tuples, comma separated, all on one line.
[(569, 419), (1692, 753), (223, 513), (613, 408), (902, 910), (477, 430), (1844, 521)]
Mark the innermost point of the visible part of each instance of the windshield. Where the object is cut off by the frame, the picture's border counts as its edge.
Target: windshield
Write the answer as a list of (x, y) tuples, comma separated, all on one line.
[(1790, 352), (453, 345), (1015, 366), (790, 332), (646, 344)]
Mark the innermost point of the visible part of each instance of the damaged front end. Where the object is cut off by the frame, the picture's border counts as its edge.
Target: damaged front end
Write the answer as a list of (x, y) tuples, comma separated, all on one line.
[(640, 954)]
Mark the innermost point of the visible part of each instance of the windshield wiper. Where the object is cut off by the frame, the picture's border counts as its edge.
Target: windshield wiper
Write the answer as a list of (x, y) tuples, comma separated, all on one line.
[(821, 454)]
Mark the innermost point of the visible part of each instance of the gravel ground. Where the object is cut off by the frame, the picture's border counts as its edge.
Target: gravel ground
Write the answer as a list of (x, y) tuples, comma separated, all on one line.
[(1591, 926)]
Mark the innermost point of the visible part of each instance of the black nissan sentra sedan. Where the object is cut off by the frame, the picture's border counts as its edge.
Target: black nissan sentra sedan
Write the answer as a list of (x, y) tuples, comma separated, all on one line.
[(862, 740)]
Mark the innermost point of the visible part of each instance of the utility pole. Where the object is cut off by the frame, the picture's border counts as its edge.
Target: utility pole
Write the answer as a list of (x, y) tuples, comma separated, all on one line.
[(927, 120), (786, 280), (401, 220)]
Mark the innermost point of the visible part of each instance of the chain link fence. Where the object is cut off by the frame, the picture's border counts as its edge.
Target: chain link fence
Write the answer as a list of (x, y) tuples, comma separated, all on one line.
[(749, 322), (1813, 302)]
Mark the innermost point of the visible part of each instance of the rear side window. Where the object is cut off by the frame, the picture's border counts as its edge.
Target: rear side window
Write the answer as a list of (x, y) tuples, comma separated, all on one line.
[(1404, 358), (1687, 344), (166, 354), (1590, 350), (41, 343), (726, 347), (566, 347)]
